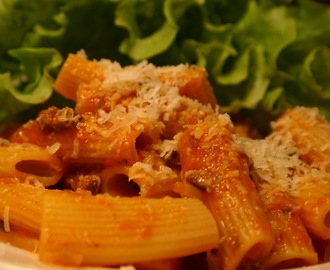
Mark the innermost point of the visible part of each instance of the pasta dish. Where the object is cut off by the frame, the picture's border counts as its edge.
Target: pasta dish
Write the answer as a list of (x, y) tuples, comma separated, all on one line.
[(147, 171)]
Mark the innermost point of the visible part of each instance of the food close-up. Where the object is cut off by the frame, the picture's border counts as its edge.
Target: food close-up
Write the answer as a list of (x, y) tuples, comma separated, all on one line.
[(164, 135)]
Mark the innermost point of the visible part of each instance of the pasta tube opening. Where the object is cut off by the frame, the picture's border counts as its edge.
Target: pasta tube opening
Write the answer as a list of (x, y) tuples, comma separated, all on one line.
[(327, 219), (120, 185), (36, 167), (30, 160)]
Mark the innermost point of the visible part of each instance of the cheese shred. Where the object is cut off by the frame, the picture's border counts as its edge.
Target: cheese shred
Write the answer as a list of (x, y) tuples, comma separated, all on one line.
[(6, 225)]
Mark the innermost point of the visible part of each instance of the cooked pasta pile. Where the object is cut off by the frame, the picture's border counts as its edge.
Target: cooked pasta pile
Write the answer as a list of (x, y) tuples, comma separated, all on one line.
[(147, 171)]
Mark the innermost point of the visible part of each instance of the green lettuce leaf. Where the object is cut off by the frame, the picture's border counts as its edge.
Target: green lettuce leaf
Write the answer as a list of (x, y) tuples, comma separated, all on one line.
[(138, 46), (33, 85)]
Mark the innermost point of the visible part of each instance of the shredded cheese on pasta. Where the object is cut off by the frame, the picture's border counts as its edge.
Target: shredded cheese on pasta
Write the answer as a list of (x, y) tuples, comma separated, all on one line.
[(276, 160), (153, 100), (54, 148), (6, 224)]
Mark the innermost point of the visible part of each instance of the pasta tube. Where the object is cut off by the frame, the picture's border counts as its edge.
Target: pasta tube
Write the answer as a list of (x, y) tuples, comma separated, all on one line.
[(20, 204), (293, 246), (76, 70), (153, 176), (211, 161), (24, 160), (88, 141), (115, 182), (20, 238), (167, 97), (81, 229), (310, 131), (314, 199), (191, 80), (276, 160)]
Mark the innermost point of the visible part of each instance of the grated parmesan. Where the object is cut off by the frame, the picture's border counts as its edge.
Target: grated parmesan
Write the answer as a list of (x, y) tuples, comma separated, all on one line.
[(276, 160), (75, 149), (149, 95), (6, 224), (53, 148), (310, 131)]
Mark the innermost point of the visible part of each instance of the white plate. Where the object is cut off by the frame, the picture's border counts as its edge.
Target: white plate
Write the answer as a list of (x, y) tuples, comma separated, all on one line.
[(12, 258)]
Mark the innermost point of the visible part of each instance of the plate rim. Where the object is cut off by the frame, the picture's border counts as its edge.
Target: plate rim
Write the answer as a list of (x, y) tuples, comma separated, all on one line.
[(14, 258)]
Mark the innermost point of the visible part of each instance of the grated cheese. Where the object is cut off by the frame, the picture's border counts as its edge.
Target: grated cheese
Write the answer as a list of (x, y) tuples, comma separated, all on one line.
[(127, 267), (310, 130), (53, 148), (75, 149), (6, 224), (141, 170), (276, 160), (32, 180), (4, 141), (153, 99), (150, 176), (167, 147)]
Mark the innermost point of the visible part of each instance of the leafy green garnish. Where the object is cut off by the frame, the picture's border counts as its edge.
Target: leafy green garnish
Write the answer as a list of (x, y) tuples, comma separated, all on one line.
[(262, 56)]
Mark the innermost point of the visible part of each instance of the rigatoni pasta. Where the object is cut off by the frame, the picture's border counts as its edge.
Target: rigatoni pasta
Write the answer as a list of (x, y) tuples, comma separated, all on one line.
[(146, 170), (77, 70), (20, 238), (80, 229), (20, 204), (23, 160), (83, 139), (310, 132), (293, 245), (277, 160), (211, 160)]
